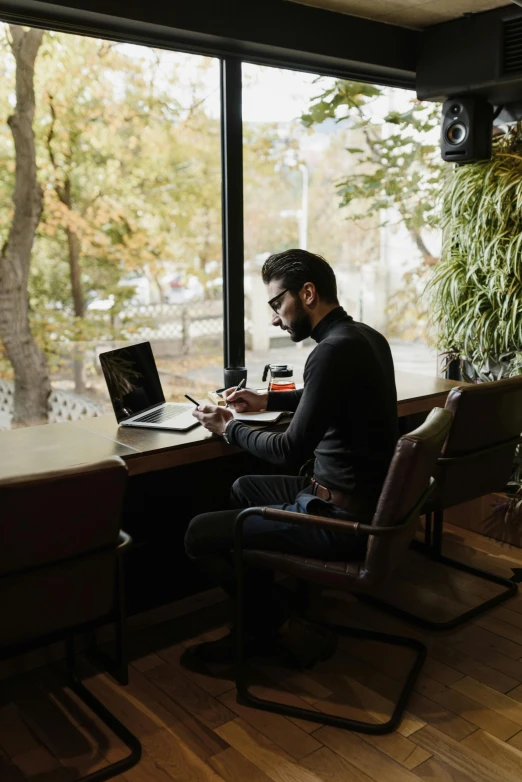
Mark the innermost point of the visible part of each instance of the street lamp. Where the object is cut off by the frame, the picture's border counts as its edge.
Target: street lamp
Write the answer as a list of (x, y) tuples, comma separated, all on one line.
[(302, 213)]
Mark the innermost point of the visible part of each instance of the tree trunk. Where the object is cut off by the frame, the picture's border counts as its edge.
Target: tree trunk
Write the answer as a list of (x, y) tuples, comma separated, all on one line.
[(32, 384), (160, 289), (74, 247), (78, 366), (64, 194), (427, 257), (73, 244)]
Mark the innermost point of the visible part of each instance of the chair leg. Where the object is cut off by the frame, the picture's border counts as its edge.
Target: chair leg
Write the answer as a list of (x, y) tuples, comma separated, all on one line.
[(435, 553), (427, 529), (245, 697), (122, 655), (118, 668), (108, 719)]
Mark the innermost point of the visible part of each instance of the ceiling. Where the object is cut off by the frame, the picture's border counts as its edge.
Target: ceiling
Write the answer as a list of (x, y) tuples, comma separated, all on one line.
[(408, 13)]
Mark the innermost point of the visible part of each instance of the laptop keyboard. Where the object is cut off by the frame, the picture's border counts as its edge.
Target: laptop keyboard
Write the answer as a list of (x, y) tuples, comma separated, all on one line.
[(163, 414)]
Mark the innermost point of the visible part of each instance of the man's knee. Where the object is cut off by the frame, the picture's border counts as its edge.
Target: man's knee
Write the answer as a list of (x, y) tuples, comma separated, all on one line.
[(196, 536), (239, 492), (210, 534), (247, 491)]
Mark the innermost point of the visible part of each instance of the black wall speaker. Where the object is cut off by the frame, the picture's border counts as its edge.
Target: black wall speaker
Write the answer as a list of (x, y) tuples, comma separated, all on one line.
[(467, 129)]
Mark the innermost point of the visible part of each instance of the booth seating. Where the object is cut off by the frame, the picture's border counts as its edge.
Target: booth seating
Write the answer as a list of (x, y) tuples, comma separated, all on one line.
[(61, 572), (405, 492), (477, 459)]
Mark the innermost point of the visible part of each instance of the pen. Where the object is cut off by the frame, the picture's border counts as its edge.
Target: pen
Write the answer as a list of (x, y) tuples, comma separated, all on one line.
[(238, 388), (192, 400)]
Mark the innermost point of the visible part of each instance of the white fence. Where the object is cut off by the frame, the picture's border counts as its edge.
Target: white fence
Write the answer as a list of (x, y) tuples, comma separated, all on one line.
[(192, 326), (63, 406)]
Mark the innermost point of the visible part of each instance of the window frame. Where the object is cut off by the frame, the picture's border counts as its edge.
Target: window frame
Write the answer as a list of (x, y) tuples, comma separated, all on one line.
[(389, 54)]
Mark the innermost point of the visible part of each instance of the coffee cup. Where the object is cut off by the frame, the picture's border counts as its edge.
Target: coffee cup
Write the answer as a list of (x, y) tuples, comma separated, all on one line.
[(234, 375)]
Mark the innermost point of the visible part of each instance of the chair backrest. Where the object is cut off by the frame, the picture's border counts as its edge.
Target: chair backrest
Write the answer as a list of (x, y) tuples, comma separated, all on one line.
[(407, 481), (58, 537), (477, 457)]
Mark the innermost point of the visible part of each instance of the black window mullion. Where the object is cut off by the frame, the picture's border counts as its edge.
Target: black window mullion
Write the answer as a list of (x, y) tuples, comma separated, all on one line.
[(232, 213)]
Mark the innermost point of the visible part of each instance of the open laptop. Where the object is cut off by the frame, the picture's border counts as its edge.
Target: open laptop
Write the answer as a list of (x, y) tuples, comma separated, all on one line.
[(136, 393)]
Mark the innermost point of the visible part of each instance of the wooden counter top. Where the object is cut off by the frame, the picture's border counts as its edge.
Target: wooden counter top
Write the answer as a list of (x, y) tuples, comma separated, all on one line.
[(55, 446), (36, 449), (157, 449), (421, 393)]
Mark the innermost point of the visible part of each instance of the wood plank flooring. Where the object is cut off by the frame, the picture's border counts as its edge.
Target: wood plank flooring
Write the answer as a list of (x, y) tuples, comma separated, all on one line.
[(463, 724)]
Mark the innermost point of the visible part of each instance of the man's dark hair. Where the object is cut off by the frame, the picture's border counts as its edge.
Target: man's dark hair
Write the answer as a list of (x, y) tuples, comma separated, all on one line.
[(295, 267)]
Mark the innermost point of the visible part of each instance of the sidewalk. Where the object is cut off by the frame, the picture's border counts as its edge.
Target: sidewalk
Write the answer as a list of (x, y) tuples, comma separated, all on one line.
[(408, 357)]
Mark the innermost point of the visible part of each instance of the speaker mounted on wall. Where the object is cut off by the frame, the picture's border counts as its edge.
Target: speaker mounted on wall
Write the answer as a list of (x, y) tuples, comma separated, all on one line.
[(466, 130)]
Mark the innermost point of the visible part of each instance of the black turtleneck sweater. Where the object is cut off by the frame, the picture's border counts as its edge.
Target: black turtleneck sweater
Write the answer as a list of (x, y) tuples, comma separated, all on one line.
[(345, 416)]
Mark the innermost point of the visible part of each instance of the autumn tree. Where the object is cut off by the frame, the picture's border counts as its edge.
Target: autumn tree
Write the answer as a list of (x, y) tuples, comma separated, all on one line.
[(398, 166), (82, 112), (267, 181), (31, 376), (136, 169), (395, 171), (130, 159), (128, 155)]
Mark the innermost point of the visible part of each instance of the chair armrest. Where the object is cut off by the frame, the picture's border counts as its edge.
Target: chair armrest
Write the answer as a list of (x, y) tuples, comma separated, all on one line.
[(352, 527), (307, 520)]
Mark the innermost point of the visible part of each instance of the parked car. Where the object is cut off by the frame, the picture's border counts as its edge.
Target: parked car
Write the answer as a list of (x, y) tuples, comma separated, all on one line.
[(180, 289)]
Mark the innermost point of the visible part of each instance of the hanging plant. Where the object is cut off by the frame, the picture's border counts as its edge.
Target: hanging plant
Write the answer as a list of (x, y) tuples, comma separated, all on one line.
[(475, 293)]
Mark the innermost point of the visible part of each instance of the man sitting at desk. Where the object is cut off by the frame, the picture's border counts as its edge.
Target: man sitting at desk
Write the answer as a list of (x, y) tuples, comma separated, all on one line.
[(345, 417)]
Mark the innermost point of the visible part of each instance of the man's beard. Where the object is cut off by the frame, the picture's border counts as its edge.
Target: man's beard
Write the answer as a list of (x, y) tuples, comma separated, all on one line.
[(300, 327)]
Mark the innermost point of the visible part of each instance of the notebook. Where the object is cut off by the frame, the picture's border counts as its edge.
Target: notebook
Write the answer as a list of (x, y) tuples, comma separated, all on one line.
[(266, 417)]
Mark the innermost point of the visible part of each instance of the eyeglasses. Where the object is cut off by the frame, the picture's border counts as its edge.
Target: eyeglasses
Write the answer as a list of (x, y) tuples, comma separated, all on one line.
[(272, 302)]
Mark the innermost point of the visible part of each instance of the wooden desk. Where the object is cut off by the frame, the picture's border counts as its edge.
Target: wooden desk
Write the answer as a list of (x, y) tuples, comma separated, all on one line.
[(36, 449), (420, 393), (159, 505), (159, 450), (151, 450), (55, 446)]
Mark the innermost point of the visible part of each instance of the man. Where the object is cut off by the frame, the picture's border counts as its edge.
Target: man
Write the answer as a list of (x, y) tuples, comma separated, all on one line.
[(345, 416)]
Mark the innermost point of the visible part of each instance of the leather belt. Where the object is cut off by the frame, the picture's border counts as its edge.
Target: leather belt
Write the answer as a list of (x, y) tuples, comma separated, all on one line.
[(356, 505)]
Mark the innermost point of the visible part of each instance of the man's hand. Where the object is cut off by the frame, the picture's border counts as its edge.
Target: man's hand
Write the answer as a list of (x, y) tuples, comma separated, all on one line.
[(213, 418), (246, 401)]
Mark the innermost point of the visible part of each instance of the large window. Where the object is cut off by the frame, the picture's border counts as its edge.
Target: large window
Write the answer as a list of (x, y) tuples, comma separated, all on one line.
[(126, 216), (128, 244), (322, 179)]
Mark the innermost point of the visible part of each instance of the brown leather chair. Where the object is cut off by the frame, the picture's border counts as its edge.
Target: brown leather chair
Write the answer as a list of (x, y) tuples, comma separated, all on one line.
[(476, 459), (405, 491), (61, 572)]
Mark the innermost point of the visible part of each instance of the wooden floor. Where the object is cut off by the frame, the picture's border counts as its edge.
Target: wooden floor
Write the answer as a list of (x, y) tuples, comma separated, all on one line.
[(464, 722)]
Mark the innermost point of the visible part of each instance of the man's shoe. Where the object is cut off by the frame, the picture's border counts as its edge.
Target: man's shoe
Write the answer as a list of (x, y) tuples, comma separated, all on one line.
[(223, 651), (305, 644)]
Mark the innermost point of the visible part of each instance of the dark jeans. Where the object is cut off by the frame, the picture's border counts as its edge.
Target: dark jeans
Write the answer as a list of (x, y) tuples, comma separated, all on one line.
[(210, 539)]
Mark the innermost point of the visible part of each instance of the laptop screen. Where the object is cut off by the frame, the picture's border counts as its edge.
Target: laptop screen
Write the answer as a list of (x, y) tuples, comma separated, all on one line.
[(132, 379)]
